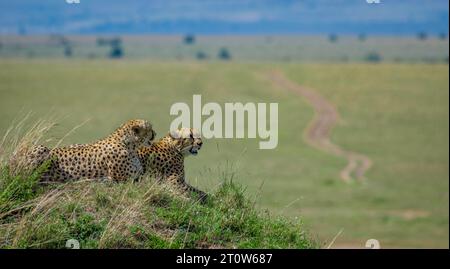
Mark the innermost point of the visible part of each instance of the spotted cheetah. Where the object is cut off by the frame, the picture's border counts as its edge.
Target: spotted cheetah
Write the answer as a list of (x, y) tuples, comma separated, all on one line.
[(114, 157), (164, 159)]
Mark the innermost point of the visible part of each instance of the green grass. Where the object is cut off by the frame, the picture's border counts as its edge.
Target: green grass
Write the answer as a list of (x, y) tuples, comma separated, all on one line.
[(139, 215), (17, 189), (397, 114)]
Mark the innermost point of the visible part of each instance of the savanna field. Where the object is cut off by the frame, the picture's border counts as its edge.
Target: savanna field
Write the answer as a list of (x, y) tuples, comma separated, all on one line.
[(394, 113)]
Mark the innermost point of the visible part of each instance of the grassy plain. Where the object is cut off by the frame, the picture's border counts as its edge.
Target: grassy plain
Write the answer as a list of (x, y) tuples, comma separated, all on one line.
[(397, 114), (257, 48)]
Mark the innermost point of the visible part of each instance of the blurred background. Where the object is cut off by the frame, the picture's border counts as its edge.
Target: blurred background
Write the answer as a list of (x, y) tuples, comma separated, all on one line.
[(381, 65)]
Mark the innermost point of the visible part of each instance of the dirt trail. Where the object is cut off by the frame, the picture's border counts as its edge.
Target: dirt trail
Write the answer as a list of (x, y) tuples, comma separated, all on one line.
[(318, 132)]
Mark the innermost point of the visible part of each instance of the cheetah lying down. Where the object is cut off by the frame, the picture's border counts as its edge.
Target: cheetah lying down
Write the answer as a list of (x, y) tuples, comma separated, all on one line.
[(125, 154), (114, 157)]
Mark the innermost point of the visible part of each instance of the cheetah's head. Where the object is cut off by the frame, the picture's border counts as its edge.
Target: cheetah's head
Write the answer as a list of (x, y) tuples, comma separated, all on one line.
[(187, 140), (137, 133)]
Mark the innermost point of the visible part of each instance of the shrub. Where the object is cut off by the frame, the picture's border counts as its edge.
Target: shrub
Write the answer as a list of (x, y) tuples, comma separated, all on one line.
[(224, 54), (116, 52), (68, 51), (333, 38), (422, 35), (373, 57), (189, 39), (115, 45)]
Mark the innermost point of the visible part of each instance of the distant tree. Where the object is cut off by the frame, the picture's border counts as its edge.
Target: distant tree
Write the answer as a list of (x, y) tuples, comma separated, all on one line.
[(442, 36), (422, 36), (116, 52), (63, 42), (333, 38), (201, 55), (115, 45), (116, 48), (362, 37), (189, 39), (373, 57), (224, 54), (59, 40), (68, 51)]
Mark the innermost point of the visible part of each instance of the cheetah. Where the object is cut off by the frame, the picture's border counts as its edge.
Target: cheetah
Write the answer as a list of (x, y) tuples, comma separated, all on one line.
[(113, 158), (164, 159)]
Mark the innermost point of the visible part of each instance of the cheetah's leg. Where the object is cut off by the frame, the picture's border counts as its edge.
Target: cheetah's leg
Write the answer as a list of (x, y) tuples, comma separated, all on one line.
[(180, 182)]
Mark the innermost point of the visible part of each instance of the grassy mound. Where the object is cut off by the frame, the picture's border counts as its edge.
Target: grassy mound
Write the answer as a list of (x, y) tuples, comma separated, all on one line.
[(126, 215), (136, 215)]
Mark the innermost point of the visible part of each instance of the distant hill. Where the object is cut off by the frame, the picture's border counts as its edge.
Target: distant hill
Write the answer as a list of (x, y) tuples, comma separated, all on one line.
[(401, 17)]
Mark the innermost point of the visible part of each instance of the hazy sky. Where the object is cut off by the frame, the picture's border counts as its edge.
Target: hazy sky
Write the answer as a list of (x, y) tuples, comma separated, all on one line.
[(220, 16)]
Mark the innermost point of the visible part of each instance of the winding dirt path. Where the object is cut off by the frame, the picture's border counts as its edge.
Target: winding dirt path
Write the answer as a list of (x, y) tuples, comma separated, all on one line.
[(319, 130)]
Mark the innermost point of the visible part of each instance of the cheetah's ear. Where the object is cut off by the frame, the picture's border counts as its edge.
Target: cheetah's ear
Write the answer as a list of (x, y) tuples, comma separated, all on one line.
[(195, 133), (175, 134), (138, 130), (153, 135)]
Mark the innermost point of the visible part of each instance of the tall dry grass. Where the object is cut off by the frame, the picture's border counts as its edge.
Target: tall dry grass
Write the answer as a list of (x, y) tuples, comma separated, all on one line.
[(18, 141)]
